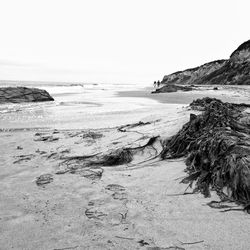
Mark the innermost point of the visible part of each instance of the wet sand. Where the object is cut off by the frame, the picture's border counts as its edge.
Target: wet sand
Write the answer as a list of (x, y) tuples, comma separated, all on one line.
[(235, 94), (133, 206)]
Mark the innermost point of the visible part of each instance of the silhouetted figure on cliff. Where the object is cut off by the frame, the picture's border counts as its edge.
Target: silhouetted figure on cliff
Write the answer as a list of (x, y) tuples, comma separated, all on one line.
[(157, 84)]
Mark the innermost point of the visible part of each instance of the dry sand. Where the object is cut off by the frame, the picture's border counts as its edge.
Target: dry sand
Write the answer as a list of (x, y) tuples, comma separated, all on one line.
[(229, 93), (143, 210)]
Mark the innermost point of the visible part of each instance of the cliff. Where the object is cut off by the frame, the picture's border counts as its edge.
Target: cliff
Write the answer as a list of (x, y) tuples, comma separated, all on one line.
[(23, 94), (233, 71)]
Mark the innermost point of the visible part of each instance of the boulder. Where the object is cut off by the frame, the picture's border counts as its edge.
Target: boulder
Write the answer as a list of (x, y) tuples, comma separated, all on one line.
[(23, 94), (172, 88)]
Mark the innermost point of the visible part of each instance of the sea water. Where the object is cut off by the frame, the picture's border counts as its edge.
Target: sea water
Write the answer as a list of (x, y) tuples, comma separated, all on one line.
[(76, 106)]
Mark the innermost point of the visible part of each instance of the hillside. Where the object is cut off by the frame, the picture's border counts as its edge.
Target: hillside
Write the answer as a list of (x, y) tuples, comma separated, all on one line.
[(233, 71)]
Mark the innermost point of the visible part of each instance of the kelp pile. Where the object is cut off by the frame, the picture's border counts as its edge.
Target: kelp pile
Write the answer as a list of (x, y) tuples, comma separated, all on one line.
[(217, 146), (80, 164)]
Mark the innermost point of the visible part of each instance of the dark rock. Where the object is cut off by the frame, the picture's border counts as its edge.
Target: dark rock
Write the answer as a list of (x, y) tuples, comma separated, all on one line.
[(172, 88), (215, 88), (46, 138), (190, 76), (143, 243), (23, 94)]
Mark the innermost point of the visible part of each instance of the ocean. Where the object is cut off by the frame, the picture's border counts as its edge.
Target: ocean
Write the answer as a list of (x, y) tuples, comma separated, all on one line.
[(94, 106), (76, 106)]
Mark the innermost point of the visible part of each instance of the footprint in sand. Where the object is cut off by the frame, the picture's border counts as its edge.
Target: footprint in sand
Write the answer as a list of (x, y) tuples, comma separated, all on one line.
[(118, 190), (92, 213), (44, 179), (120, 196)]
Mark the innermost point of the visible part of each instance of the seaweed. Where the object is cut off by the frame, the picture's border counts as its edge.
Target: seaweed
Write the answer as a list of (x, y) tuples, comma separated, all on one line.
[(216, 145)]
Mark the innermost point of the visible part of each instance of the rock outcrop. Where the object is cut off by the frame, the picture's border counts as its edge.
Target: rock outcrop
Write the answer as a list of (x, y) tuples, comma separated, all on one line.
[(234, 71), (172, 88), (23, 94)]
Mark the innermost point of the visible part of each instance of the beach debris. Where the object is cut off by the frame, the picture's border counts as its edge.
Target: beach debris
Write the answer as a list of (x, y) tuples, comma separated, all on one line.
[(40, 152), (77, 158), (115, 187), (92, 174), (47, 138), (217, 146), (21, 158), (191, 243), (118, 157), (89, 137), (19, 148), (125, 155), (124, 128), (125, 238), (124, 217), (66, 248), (62, 171), (143, 243), (92, 135), (52, 155), (203, 104), (247, 208), (218, 205), (65, 151), (44, 179), (166, 248), (92, 213), (113, 158)]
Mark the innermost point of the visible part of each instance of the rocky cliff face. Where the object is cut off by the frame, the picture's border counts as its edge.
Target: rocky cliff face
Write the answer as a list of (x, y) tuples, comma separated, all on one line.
[(234, 71), (189, 76), (22, 94)]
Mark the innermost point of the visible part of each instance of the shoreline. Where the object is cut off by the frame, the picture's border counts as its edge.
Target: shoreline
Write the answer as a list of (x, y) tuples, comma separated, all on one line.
[(112, 207), (225, 93)]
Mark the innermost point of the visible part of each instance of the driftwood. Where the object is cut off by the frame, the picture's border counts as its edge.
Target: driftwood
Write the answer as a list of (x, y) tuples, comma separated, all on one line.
[(217, 146)]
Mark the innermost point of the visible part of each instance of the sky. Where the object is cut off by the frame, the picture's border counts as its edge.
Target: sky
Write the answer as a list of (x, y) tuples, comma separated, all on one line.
[(116, 41)]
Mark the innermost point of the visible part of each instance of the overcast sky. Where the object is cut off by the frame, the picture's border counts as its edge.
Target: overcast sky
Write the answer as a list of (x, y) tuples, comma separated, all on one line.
[(126, 41)]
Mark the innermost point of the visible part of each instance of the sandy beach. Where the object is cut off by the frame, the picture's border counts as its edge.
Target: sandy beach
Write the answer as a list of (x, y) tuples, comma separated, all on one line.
[(133, 206)]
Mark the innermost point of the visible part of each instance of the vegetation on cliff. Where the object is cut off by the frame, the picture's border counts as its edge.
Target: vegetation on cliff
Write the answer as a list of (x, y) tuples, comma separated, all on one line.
[(234, 71)]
